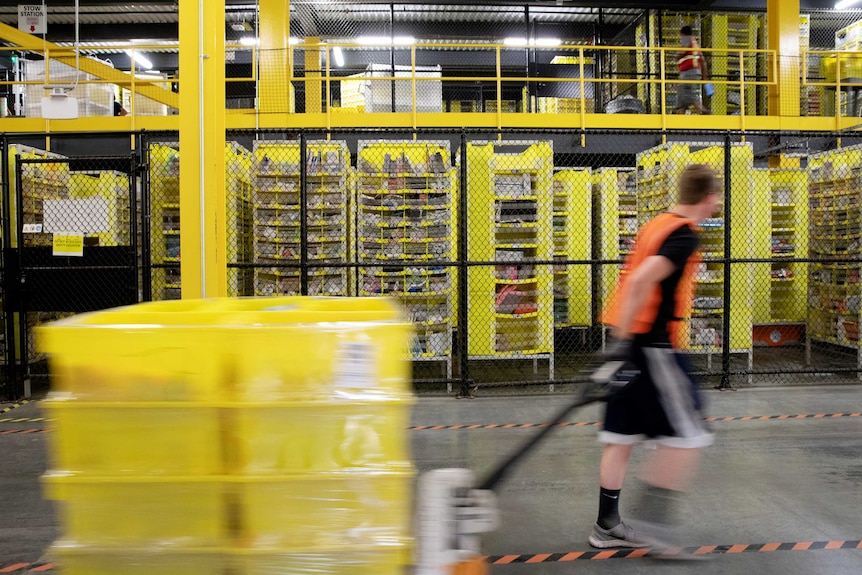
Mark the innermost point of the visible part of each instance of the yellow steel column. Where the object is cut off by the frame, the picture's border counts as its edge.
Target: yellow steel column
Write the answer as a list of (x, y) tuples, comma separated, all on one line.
[(782, 20), (202, 138), (312, 75), (273, 57)]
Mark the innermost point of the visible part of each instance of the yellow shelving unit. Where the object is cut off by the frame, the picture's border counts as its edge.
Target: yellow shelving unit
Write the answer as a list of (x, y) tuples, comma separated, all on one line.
[(405, 227), (835, 231), (657, 178), (165, 221), (240, 219), (572, 228), (510, 219), (39, 182), (276, 199), (732, 32), (780, 232), (615, 224)]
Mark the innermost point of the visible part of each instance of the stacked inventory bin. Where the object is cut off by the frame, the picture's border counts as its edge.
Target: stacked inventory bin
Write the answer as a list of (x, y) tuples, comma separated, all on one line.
[(232, 437), (733, 34), (615, 225), (780, 233), (165, 221)]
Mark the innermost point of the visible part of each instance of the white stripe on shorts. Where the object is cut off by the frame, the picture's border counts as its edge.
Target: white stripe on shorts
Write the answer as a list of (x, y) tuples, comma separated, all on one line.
[(675, 396)]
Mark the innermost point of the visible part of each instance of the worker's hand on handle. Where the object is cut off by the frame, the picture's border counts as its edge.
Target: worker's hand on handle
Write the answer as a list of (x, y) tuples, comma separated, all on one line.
[(618, 349)]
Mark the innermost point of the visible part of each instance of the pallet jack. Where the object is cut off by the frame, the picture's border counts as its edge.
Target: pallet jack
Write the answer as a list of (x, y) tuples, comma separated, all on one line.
[(452, 512)]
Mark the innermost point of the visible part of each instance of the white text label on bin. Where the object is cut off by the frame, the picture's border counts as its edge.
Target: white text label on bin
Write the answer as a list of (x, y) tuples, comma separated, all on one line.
[(355, 366)]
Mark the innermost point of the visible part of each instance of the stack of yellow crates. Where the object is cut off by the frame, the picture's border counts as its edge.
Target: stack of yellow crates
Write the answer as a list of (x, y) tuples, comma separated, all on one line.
[(232, 437)]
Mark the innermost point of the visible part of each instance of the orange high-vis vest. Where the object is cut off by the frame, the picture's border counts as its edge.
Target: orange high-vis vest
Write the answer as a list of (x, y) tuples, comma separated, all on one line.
[(649, 240)]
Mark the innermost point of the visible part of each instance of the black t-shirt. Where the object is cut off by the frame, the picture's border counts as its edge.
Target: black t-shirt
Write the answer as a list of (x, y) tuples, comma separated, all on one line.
[(678, 247)]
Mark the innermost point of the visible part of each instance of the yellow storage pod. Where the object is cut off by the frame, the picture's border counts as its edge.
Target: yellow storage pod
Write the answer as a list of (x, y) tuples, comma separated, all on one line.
[(510, 221), (572, 241), (233, 432)]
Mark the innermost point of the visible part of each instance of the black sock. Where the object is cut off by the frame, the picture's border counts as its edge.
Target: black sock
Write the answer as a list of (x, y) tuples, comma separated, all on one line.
[(609, 508)]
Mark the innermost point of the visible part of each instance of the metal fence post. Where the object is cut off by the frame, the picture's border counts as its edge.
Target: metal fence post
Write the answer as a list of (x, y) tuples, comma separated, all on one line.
[(146, 221), (303, 213), (725, 327), (463, 288)]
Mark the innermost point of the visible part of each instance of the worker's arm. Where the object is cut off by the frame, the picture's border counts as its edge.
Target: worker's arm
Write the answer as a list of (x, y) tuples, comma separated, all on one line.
[(640, 284)]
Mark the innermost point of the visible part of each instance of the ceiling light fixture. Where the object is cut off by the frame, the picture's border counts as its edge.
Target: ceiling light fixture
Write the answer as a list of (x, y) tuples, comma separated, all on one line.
[(338, 56), (249, 41), (845, 4), (386, 40), (517, 42), (142, 60)]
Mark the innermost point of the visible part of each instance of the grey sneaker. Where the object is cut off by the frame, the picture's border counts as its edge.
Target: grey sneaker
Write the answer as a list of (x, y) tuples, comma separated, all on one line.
[(619, 536)]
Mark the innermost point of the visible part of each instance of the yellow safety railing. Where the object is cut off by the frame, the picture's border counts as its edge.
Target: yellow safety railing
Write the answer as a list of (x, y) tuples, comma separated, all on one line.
[(659, 80), (494, 73), (97, 72)]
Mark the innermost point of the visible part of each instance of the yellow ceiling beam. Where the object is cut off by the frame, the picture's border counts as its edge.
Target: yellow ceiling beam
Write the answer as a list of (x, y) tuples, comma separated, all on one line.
[(95, 68)]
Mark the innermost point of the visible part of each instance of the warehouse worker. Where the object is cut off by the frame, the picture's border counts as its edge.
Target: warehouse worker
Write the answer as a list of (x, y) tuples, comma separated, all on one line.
[(692, 66), (119, 110), (661, 403)]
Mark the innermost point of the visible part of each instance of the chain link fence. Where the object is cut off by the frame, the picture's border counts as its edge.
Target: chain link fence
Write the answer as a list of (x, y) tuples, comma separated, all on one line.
[(503, 248)]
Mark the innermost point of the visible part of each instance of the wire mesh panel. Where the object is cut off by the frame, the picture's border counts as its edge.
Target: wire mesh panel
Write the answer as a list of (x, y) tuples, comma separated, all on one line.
[(164, 233), (77, 233), (239, 224), (505, 250)]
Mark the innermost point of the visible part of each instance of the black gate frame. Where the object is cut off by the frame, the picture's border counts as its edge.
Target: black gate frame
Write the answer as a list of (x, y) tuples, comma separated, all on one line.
[(33, 280)]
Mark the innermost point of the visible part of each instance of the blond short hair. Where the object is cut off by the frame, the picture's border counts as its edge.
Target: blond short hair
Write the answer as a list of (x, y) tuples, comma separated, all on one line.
[(696, 183)]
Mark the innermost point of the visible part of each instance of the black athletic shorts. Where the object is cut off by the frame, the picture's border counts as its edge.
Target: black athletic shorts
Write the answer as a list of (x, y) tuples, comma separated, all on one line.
[(661, 403)]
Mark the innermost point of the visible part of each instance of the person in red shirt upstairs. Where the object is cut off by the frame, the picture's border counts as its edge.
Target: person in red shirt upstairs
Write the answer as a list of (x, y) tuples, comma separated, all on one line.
[(692, 66)]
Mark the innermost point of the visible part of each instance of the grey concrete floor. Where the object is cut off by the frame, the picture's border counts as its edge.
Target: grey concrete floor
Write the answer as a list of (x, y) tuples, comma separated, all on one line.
[(796, 481)]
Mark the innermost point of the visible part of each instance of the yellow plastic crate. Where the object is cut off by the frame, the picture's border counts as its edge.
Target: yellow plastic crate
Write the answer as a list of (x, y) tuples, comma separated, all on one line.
[(84, 560), (171, 511), (225, 349), (389, 560), (299, 438), (135, 439), (314, 512)]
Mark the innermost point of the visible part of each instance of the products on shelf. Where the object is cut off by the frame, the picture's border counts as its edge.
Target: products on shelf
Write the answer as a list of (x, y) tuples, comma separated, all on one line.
[(834, 233), (405, 223), (277, 217)]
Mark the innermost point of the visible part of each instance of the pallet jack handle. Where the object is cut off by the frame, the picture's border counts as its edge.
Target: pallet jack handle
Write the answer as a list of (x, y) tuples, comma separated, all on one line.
[(599, 388)]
